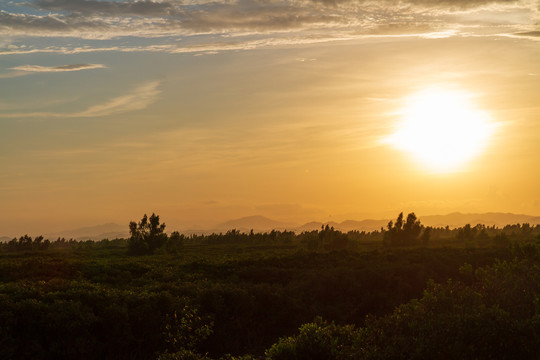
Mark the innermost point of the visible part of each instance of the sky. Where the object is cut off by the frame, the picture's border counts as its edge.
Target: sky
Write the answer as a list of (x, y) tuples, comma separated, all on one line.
[(298, 110)]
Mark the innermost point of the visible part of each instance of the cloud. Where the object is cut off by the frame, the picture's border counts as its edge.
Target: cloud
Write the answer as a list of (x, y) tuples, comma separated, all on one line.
[(239, 43), (439, 4), (171, 20), (44, 25), (24, 70), (13, 74), (257, 16), (172, 8), (140, 98), (211, 18), (109, 8), (61, 68), (528, 33)]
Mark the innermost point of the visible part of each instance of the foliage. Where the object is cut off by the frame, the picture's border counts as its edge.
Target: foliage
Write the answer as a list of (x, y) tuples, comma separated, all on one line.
[(174, 243), (406, 233), (183, 334), (26, 243), (183, 354), (86, 300), (497, 317), (325, 239), (146, 236), (316, 340)]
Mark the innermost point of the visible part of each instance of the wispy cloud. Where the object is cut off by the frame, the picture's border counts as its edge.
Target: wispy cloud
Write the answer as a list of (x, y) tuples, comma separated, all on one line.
[(172, 20), (49, 25), (440, 4), (140, 98), (109, 8), (532, 35), (61, 68), (228, 44), (24, 70), (14, 74)]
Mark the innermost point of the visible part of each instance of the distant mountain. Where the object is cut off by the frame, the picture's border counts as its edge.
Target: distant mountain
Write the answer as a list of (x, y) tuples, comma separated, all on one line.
[(5, 239), (317, 225), (98, 232), (364, 225), (310, 226), (489, 219), (256, 222), (345, 226), (263, 224)]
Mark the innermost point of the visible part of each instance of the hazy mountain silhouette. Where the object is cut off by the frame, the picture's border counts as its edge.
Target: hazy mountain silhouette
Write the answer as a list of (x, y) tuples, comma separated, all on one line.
[(256, 222), (347, 225), (492, 218), (316, 225), (97, 232), (263, 224)]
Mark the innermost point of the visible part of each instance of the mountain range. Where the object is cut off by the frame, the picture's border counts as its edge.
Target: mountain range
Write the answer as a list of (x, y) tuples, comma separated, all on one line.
[(97, 232), (261, 224)]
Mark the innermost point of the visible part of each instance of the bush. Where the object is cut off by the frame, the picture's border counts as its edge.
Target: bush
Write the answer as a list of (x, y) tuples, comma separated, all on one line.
[(316, 340)]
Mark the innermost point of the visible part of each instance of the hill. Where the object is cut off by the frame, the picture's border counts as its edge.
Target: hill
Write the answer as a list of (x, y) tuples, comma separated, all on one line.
[(489, 219), (261, 223), (4, 239), (257, 222), (97, 232), (264, 224)]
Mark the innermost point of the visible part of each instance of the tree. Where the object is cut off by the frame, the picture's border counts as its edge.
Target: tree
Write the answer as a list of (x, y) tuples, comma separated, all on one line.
[(496, 317), (174, 243), (184, 332), (405, 233), (317, 340), (146, 236), (333, 239)]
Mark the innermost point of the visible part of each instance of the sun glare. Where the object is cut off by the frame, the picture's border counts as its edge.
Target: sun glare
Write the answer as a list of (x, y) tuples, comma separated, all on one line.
[(442, 129)]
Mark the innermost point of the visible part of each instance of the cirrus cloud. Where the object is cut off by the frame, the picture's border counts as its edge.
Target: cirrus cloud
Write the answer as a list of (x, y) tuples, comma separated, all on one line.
[(137, 99), (109, 8), (171, 21), (61, 68)]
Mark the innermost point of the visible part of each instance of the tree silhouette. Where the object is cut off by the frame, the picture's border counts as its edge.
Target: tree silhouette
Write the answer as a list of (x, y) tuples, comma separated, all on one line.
[(405, 233), (174, 243), (147, 235)]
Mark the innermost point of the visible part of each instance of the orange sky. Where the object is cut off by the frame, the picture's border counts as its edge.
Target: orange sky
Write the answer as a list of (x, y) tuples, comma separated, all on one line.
[(202, 120)]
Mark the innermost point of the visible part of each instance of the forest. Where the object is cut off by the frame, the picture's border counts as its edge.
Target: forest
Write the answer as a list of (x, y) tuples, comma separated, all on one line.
[(402, 292)]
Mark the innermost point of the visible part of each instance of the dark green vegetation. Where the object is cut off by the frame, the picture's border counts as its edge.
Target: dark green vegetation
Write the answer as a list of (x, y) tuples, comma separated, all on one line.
[(279, 295)]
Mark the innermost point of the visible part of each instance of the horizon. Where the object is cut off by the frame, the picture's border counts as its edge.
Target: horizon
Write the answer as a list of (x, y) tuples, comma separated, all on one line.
[(210, 225), (230, 224), (202, 112)]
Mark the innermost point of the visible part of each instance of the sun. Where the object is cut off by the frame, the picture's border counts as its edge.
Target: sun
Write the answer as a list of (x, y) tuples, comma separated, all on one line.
[(442, 129)]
